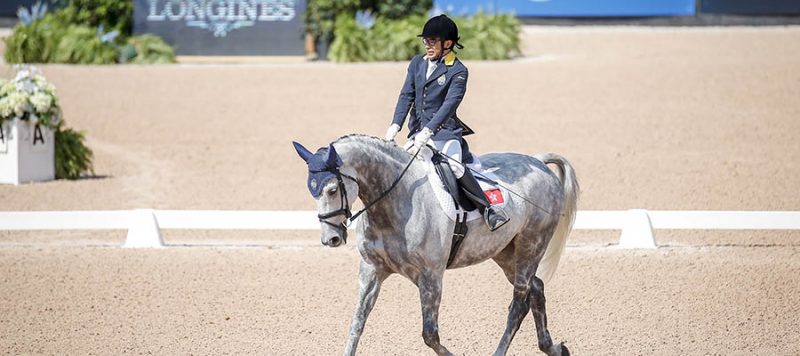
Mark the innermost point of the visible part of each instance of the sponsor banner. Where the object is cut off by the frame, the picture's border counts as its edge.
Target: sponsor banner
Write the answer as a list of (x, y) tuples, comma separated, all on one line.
[(571, 8), (750, 7), (225, 27)]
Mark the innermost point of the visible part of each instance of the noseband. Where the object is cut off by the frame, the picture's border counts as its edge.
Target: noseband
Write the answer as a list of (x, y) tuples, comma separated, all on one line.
[(344, 209)]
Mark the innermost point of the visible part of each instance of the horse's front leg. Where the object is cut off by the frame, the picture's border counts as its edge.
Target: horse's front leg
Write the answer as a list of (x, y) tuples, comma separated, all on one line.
[(370, 279), (430, 291)]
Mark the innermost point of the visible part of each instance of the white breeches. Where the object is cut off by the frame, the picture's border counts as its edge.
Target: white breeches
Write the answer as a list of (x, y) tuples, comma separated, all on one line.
[(452, 148)]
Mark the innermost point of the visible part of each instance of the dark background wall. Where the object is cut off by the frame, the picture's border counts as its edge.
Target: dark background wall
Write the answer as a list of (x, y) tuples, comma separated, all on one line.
[(8, 8), (750, 7)]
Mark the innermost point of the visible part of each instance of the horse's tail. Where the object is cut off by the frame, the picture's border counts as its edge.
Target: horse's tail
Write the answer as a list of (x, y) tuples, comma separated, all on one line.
[(549, 263)]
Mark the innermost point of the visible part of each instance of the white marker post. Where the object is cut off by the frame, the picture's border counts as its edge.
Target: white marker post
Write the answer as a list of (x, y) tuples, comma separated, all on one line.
[(27, 152), (143, 230), (637, 231)]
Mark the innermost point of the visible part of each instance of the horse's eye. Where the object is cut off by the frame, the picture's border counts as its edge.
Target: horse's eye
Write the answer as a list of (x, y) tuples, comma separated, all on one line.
[(332, 191)]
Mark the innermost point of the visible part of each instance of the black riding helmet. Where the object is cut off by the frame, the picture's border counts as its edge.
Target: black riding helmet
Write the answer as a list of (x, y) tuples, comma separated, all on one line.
[(443, 27)]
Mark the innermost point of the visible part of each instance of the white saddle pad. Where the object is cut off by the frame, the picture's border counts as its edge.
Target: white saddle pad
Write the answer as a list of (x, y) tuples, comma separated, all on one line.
[(497, 196)]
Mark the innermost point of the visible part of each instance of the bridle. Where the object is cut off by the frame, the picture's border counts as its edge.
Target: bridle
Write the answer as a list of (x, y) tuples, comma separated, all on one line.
[(349, 217), (345, 208)]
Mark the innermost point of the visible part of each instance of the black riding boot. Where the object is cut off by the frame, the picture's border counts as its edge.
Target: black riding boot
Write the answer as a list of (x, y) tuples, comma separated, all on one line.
[(494, 217)]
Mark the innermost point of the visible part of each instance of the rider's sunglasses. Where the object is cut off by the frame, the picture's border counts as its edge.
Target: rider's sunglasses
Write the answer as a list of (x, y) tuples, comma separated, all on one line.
[(430, 41)]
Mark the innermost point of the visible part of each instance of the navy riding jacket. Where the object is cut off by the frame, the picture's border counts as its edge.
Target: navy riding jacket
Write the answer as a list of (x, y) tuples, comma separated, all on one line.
[(433, 101)]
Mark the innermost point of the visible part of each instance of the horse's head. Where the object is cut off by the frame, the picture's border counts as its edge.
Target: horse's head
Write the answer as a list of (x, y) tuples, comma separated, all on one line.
[(333, 190)]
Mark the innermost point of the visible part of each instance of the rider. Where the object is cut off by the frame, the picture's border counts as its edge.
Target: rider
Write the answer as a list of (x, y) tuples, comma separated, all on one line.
[(433, 89)]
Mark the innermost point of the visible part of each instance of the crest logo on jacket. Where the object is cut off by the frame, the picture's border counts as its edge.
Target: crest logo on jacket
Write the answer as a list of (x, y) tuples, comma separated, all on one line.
[(441, 80)]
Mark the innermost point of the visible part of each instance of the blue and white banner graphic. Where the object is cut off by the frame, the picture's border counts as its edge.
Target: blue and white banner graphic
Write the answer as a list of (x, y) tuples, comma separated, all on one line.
[(570, 8)]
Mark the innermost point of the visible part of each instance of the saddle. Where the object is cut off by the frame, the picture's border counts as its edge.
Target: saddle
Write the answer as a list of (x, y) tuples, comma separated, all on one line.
[(451, 183), (494, 193), (463, 205)]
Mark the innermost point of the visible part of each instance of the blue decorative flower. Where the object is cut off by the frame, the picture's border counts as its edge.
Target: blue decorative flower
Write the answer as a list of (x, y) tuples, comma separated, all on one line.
[(107, 37), (365, 19), (36, 12)]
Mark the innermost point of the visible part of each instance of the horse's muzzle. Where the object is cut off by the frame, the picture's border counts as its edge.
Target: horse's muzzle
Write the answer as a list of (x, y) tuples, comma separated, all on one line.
[(336, 241)]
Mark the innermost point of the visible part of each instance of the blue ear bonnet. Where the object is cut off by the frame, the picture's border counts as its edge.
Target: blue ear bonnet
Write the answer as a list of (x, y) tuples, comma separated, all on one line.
[(319, 173), (322, 167)]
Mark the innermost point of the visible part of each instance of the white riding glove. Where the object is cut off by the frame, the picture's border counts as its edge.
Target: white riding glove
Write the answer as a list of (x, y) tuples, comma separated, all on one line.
[(392, 132), (420, 139)]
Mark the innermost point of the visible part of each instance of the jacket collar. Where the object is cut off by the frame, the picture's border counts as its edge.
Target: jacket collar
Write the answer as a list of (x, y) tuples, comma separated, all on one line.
[(448, 59)]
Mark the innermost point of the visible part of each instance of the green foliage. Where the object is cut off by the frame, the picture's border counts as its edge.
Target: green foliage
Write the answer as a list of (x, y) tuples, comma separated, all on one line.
[(112, 14), (35, 43), (150, 49), (387, 40), (396, 40), (491, 37), (73, 158), (70, 35), (322, 15), (80, 45), (398, 9), (350, 44)]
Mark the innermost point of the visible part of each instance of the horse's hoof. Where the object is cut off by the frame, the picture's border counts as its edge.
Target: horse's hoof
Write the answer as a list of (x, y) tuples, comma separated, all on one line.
[(564, 350)]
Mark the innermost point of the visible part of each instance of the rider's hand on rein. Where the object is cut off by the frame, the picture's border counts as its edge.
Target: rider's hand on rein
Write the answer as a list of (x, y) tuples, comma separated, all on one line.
[(420, 139), (392, 132)]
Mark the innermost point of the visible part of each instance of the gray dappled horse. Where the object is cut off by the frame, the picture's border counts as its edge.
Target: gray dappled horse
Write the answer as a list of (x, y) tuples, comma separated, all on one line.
[(407, 232)]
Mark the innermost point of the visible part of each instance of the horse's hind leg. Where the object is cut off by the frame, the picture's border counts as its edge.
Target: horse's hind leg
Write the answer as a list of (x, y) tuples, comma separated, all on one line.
[(430, 295), (519, 263), (517, 310), (540, 318)]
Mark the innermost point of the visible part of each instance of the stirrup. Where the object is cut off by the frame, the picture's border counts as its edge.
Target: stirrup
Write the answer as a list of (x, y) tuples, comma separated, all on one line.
[(497, 212)]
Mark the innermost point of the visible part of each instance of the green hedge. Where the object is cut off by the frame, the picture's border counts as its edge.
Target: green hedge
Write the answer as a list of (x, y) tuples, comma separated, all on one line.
[(492, 37), (80, 45), (485, 37), (149, 49), (387, 40), (72, 35), (322, 15), (111, 14), (35, 43)]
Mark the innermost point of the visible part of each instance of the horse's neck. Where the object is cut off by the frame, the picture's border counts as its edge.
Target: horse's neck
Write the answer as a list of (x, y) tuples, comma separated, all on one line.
[(376, 168)]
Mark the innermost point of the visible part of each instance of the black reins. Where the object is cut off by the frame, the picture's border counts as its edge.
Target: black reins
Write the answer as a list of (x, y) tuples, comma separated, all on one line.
[(349, 217)]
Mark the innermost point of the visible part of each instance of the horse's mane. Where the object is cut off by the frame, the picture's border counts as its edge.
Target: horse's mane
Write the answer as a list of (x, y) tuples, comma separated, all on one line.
[(390, 148)]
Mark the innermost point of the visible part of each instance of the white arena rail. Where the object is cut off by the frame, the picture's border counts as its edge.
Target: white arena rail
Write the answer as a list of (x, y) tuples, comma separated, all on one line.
[(144, 225)]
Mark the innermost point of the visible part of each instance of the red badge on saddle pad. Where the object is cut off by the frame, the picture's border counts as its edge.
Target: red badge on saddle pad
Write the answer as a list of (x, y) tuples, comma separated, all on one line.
[(495, 196)]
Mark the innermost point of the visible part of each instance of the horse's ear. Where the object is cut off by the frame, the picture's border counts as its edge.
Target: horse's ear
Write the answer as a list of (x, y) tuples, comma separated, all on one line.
[(304, 153), (332, 158)]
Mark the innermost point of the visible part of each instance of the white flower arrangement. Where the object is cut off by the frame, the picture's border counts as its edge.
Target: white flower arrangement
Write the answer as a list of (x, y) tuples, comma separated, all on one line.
[(29, 97)]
